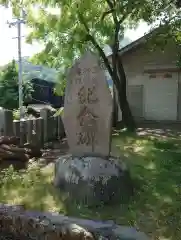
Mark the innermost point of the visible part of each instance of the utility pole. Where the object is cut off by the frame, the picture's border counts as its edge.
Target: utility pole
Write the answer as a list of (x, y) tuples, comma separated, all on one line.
[(18, 23)]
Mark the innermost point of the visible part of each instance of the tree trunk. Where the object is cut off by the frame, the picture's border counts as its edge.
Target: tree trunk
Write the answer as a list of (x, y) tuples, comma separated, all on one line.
[(127, 117), (115, 108), (117, 74)]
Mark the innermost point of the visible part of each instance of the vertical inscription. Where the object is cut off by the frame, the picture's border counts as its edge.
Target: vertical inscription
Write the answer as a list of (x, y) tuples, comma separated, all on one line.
[(91, 95), (82, 95), (88, 123), (86, 118), (75, 79), (87, 108), (87, 96)]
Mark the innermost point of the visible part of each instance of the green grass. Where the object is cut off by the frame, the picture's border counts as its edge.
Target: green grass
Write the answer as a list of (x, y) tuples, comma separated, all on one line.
[(155, 208)]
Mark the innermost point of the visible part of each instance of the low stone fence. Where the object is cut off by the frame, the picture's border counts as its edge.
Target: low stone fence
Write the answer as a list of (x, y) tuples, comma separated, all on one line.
[(35, 130), (17, 223)]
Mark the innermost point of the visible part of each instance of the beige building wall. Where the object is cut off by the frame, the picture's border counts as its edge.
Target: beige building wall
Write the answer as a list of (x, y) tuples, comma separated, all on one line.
[(153, 87)]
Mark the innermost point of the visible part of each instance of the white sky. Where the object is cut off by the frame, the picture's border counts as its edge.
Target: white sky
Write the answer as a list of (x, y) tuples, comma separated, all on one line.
[(8, 45)]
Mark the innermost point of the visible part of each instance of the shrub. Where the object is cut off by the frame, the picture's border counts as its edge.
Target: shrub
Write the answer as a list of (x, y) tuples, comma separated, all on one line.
[(9, 97)]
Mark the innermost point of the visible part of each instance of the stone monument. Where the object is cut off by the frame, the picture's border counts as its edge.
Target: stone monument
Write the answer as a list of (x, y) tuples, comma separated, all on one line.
[(88, 109), (89, 173)]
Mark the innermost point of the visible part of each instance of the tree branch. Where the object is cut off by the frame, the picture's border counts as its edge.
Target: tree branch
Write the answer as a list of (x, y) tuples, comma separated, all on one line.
[(115, 47), (112, 8), (95, 43), (82, 20), (123, 18), (102, 54), (106, 13)]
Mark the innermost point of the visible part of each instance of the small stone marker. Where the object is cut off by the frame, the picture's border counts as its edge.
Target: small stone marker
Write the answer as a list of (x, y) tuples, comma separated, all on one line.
[(88, 109)]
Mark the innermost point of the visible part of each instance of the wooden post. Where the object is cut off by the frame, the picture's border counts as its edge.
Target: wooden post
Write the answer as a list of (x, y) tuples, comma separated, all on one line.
[(23, 131), (6, 122), (29, 127), (16, 128), (39, 131), (46, 114)]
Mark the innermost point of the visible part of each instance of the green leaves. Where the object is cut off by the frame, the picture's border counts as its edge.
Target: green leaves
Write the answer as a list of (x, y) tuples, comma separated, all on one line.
[(65, 33), (9, 87)]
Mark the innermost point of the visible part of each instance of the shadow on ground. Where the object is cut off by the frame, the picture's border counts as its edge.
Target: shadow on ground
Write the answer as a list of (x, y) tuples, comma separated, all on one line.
[(155, 164), (154, 158)]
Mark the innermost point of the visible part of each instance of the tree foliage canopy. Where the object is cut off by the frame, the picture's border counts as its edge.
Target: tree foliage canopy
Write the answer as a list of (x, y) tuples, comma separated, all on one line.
[(9, 87), (79, 25), (65, 33)]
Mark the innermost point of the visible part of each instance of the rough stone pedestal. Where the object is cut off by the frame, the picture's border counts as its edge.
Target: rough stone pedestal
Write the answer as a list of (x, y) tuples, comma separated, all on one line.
[(93, 180)]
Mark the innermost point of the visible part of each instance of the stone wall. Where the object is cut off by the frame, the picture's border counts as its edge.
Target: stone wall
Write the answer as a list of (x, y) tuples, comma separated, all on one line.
[(19, 223)]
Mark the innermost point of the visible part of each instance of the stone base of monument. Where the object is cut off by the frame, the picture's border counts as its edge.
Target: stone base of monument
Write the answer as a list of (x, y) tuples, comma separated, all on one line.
[(93, 180), (18, 223)]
